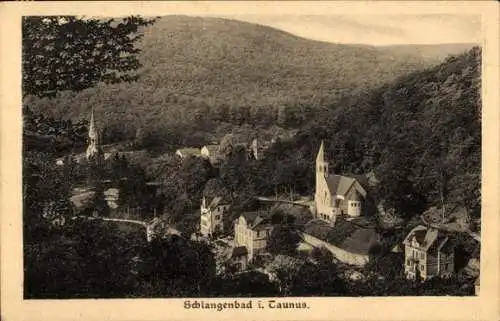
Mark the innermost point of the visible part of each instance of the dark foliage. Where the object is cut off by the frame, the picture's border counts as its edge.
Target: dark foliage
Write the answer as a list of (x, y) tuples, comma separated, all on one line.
[(200, 75), (421, 136), (69, 53)]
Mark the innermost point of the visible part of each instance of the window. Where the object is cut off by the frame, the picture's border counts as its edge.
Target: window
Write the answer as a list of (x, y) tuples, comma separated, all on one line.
[(422, 267), (421, 255), (217, 217)]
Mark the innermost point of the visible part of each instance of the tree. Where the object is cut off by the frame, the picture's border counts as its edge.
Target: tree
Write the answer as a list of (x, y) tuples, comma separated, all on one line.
[(178, 268), (284, 240), (215, 188), (234, 170), (318, 280), (69, 53), (72, 53), (322, 255), (227, 144), (248, 284)]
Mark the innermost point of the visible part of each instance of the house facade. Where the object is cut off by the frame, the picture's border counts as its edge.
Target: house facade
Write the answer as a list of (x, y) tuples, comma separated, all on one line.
[(428, 253), (212, 153), (257, 148), (252, 230), (336, 195), (212, 216)]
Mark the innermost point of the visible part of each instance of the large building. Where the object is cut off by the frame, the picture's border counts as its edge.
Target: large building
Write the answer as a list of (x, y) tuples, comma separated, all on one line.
[(336, 194), (212, 216), (252, 230), (428, 253)]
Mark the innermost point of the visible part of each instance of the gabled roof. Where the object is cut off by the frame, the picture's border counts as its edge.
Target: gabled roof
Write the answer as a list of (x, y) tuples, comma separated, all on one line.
[(189, 151), (427, 238), (216, 201), (212, 148), (340, 185), (256, 219), (112, 192)]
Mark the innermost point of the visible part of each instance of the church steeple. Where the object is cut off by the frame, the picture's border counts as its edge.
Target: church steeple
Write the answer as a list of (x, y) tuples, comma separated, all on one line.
[(321, 163), (92, 126), (94, 148)]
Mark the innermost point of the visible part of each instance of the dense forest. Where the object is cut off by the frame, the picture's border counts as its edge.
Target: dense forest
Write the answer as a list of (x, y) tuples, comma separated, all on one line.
[(201, 76), (420, 135)]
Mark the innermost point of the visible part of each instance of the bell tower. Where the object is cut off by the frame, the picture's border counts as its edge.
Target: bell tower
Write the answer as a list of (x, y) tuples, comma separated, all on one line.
[(321, 163), (94, 154), (321, 174), (94, 151)]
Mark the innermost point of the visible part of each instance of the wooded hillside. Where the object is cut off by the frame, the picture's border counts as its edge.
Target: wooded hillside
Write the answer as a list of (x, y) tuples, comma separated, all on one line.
[(420, 135), (201, 75)]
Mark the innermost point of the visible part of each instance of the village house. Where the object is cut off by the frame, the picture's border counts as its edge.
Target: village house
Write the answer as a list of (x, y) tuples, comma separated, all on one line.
[(428, 253), (257, 148), (336, 195), (183, 153), (212, 153), (252, 230), (212, 216), (112, 195)]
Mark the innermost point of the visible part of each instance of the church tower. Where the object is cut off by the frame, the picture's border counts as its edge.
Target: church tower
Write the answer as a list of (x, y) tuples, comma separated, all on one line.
[(95, 155), (321, 163), (321, 195)]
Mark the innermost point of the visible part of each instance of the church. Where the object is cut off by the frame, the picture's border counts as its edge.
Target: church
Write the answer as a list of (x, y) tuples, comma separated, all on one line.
[(336, 195), (94, 152)]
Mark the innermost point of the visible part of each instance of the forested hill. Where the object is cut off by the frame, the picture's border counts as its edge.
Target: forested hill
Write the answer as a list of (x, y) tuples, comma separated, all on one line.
[(431, 53), (421, 135), (200, 72)]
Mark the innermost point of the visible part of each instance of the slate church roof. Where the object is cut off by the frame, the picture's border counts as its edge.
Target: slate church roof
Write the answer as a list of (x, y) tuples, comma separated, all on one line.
[(340, 185)]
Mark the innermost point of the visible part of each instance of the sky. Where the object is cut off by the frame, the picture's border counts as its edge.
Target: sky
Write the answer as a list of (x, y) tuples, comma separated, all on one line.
[(375, 29)]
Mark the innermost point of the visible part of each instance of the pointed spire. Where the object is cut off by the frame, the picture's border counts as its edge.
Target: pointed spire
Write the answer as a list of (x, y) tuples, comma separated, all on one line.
[(93, 148), (321, 153), (92, 126)]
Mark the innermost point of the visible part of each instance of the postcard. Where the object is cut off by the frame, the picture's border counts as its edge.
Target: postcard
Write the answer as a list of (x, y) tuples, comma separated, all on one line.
[(250, 160)]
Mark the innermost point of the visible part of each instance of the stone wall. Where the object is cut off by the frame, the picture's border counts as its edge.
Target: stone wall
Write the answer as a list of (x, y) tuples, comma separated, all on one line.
[(342, 255)]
